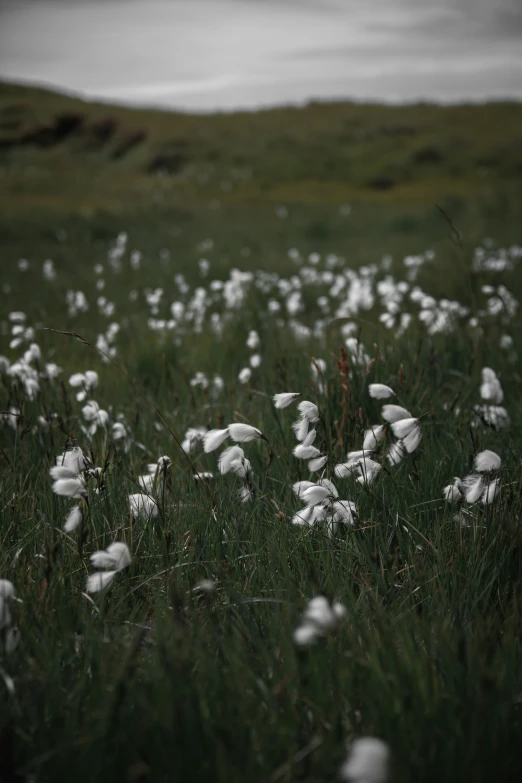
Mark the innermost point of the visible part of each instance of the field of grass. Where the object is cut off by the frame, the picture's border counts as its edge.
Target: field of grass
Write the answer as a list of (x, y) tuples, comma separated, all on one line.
[(208, 263)]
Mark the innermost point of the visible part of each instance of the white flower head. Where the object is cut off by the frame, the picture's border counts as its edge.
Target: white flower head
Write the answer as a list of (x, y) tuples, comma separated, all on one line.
[(393, 413), (115, 557), (284, 399), (243, 433), (487, 460), (367, 762), (74, 519), (213, 439), (142, 506), (379, 391)]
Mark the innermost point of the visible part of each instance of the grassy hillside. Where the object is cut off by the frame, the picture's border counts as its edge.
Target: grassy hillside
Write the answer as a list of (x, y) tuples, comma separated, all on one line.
[(208, 263)]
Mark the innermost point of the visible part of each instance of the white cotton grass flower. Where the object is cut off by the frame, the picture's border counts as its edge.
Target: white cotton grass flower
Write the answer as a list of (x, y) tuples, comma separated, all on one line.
[(393, 413), (308, 410), (72, 487), (409, 432), (315, 494), (319, 619), (395, 453), (472, 487), (490, 389), (193, 436), (244, 375), (7, 593), (255, 361), (379, 391), (452, 493), (213, 439), (300, 428), (300, 487), (243, 433), (253, 342), (99, 580), (73, 459), (344, 512), (318, 463), (73, 520), (491, 491), (245, 494), (486, 461), (97, 417), (367, 761), (204, 476), (493, 416), (142, 506), (115, 557), (306, 450), (284, 399), (373, 436), (229, 456), (86, 381)]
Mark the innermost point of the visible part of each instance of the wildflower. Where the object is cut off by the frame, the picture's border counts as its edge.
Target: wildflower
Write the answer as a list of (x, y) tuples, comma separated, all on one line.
[(452, 493), (193, 436), (205, 586), (305, 450), (245, 375), (367, 762), (408, 431), (393, 413), (7, 592), (493, 415), (373, 436), (396, 453), (243, 433), (143, 506), (319, 619), (285, 399), (245, 494), (72, 487), (490, 492), (203, 476), (253, 341), (308, 411), (88, 380), (487, 460), (233, 459), (255, 360), (118, 431), (74, 519), (116, 556), (213, 439), (318, 463), (315, 494), (472, 486), (491, 390), (380, 391), (95, 415), (73, 459)]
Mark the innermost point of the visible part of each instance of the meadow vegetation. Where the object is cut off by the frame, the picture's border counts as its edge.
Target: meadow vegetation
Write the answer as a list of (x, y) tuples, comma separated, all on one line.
[(162, 277)]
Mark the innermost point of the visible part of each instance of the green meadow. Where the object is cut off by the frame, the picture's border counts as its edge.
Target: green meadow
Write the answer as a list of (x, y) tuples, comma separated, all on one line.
[(198, 265)]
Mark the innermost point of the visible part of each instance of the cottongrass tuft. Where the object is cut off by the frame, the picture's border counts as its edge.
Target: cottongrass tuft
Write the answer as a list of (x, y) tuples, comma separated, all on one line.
[(116, 557), (142, 506), (285, 399), (393, 413), (367, 762), (213, 439), (243, 433), (486, 461), (319, 619), (379, 391)]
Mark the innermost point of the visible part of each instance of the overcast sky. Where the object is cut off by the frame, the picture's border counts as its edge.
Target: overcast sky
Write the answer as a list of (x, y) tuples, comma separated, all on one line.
[(221, 54)]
